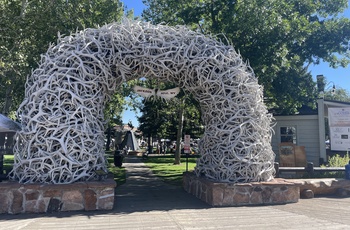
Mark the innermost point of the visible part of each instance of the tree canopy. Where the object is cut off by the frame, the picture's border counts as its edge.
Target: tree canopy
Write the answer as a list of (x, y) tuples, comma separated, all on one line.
[(160, 118), (279, 38), (27, 28)]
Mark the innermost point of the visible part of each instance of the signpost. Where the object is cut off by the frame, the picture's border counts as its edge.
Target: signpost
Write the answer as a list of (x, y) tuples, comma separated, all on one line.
[(187, 148)]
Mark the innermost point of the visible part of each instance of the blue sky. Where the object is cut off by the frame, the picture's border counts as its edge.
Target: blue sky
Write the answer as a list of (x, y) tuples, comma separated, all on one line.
[(340, 76)]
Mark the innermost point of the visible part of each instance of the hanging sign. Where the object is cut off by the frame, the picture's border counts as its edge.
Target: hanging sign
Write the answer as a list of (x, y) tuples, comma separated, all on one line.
[(149, 93)]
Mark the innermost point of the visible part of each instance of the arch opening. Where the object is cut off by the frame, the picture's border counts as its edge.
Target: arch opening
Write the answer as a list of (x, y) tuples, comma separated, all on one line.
[(62, 114)]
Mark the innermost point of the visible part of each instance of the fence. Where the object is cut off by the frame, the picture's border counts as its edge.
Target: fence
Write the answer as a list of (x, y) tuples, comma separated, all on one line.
[(310, 169), (6, 147)]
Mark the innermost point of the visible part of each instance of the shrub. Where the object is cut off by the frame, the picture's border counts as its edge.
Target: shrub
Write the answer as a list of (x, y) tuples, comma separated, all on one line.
[(338, 161)]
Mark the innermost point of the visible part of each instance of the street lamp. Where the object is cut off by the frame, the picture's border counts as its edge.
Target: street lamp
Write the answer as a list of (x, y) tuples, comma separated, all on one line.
[(333, 88)]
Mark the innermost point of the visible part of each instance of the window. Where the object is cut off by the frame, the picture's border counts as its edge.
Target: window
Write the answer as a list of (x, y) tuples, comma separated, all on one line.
[(289, 134)]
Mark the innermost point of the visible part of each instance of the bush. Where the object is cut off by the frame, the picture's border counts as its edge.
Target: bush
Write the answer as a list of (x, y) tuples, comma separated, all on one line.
[(334, 161), (338, 161)]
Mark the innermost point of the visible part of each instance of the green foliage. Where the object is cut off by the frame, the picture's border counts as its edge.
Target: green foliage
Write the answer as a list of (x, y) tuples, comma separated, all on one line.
[(8, 162), (192, 118), (334, 161), (338, 161), (280, 39), (325, 175), (27, 28), (119, 174), (339, 94), (161, 118), (164, 168), (153, 112), (113, 110)]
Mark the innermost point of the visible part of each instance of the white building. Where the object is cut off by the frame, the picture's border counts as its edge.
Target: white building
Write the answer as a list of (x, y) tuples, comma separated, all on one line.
[(306, 130)]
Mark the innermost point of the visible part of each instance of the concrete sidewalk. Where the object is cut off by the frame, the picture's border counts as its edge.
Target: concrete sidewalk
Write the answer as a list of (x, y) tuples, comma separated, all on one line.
[(145, 202)]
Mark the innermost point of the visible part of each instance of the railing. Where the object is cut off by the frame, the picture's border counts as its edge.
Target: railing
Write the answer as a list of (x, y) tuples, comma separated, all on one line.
[(4, 150), (310, 169), (2, 175)]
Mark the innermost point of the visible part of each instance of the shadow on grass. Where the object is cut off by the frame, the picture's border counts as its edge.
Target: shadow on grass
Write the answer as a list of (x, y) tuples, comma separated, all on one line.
[(163, 167)]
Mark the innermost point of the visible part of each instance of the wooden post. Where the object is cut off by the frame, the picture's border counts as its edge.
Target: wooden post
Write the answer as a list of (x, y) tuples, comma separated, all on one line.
[(277, 169), (310, 168)]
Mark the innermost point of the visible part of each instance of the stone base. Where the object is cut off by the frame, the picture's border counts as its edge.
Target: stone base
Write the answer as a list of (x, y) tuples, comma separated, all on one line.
[(277, 191), (41, 198), (324, 186)]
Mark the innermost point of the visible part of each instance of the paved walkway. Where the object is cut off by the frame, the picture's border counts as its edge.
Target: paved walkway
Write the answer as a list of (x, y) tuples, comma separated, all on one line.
[(144, 202)]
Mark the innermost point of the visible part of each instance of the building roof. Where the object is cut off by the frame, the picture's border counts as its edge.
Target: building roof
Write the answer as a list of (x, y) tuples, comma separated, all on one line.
[(8, 125), (334, 104)]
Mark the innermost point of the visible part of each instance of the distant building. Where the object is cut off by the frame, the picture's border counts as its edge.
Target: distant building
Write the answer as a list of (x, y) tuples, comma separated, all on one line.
[(308, 130), (8, 129)]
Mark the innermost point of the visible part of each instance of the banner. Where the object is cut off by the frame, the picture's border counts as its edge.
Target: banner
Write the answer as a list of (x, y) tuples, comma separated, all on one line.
[(339, 126)]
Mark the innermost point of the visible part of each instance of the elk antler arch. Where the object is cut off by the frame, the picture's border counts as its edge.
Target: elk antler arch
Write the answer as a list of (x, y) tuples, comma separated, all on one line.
[(62, 139)]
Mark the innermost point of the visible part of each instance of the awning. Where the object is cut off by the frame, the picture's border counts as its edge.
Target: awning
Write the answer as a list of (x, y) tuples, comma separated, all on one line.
[(8, 125)]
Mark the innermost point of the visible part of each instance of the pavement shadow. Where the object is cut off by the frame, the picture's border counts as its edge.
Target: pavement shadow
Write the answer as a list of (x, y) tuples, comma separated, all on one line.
[(143, 191)]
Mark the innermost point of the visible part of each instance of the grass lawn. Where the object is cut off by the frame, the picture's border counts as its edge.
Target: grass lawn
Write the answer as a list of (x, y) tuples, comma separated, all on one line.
[(118, 173), (164, 168), (8, 162)]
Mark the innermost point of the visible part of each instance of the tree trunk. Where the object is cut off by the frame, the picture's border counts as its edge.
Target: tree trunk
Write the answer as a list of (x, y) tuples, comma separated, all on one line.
[(179, 135), (108, 142), (7, 101), (150, 146)]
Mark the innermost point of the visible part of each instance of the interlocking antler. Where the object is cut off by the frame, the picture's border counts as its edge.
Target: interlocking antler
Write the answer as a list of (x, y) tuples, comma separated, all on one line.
[(62, 139)]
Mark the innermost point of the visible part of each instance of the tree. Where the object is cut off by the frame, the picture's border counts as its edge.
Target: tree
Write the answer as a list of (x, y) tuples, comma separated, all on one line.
[(338, 94), (153, 118), (279, 39), (328, 90), (112, 114), (178, 150), (119, 101), (169, 119), (151, 121), (192, 118), (28, 27)]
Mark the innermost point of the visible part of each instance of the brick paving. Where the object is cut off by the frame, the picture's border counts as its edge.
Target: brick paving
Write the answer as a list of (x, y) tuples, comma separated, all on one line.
[(144, 202)]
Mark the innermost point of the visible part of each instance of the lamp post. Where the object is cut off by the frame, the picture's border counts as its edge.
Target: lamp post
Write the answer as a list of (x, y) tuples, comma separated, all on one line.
[(333, 88)]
